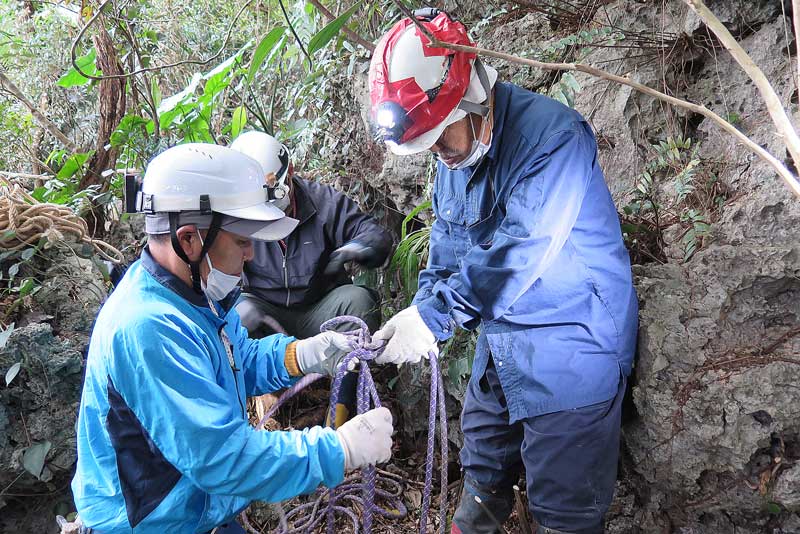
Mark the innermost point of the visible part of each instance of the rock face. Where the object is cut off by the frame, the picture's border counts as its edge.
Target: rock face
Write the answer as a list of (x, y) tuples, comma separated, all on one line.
[(37, 411), (713, 434), (38, 408)]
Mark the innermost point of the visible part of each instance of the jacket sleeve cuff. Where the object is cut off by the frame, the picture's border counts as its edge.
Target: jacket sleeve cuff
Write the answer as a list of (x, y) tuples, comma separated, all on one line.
[(290, 360), (437, 317)]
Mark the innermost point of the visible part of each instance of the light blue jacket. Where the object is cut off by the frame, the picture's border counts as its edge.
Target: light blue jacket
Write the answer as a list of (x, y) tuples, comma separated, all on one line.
[(528, 245), (164, 444)]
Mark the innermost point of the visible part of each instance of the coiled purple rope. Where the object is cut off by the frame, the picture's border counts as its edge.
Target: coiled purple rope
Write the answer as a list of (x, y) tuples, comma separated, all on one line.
[(365, 350)]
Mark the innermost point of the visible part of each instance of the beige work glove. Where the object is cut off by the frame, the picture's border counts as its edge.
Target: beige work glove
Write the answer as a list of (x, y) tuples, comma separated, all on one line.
[(367, 439)]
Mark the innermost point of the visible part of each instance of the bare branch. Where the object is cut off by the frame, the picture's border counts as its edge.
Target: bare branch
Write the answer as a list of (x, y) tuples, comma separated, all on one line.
[(353, 36), (774, 105), (46, 123), (796, 19), (25, 175), (775, 163)]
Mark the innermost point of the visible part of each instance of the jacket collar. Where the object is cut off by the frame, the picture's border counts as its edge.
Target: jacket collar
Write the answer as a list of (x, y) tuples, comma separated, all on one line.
[(501, 98), (303, 201), (175, 284)]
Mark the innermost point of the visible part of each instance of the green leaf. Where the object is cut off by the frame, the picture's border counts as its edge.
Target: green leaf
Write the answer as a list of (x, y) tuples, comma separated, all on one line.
[(126, 129), (4, 335), (773, 508), (327, 33), (27, 287), (267, 45), (73, 164), (12, 372), (457, 368), (238, 121), (33, 458), (172, 102), (156, 91), (218, 78), (570, 81), (73, 78), (416, 211), (8, 234)]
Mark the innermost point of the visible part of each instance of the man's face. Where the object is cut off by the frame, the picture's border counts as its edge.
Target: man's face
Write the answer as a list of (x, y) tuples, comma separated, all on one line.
[(228, 253), (455, 143)]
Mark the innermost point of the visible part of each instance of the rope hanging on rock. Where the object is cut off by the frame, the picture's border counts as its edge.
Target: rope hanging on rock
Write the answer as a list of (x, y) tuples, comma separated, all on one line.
[(24, 221), (362, 489)]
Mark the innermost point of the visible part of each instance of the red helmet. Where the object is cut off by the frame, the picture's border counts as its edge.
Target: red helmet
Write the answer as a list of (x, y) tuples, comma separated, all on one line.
[(414, 88)]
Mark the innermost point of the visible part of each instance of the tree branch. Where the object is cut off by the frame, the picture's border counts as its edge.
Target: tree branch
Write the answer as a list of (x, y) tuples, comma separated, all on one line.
[(774, 106), (775, 163), (46, 123), (796, 20), (350, 33)]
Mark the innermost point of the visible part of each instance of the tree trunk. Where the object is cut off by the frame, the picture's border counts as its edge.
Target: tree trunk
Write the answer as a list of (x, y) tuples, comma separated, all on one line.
[(112, 110)]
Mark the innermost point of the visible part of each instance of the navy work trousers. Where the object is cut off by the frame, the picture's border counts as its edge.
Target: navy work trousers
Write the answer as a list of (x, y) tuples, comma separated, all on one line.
[(570, 460)]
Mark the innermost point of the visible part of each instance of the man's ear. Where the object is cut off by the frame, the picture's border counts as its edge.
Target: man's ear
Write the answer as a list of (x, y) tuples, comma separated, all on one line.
[(189, 239)]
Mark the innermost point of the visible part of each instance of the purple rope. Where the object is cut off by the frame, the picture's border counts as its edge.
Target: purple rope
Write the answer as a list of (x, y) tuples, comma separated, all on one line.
[(365, 350), (436, 398)]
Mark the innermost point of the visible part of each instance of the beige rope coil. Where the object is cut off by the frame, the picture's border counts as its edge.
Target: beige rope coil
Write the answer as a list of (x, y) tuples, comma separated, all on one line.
[(30, 220)]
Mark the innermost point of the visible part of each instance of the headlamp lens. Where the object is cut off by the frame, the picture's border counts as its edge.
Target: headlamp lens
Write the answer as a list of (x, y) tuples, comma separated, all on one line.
[(392, 122), (386, 118)]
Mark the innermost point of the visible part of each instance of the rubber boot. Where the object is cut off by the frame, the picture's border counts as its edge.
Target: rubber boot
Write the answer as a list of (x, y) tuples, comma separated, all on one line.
[(346, 404), (484, 517)]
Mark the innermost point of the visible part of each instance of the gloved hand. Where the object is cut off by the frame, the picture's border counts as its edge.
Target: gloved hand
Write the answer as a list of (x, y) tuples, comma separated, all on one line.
[(367, 439), (351, 251), (323, 353), (408, 338)]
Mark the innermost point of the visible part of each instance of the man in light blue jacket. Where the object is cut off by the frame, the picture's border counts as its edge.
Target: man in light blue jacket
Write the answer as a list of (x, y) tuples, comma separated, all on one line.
[(164, 443), (527, 246)]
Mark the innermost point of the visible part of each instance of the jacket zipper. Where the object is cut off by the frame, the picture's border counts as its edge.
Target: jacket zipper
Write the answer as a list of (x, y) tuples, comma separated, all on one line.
[(234, 369), (285, 251)]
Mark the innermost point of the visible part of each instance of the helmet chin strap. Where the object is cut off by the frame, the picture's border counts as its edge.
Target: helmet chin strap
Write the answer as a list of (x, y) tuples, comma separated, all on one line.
[(472, 107), (194, 266)]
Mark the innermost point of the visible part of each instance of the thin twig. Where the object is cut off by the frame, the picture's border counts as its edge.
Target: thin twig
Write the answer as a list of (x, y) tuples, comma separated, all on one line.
[(796, 20), (296, 37), (774, 105), (77, 68), (775, 163), (13, 175)]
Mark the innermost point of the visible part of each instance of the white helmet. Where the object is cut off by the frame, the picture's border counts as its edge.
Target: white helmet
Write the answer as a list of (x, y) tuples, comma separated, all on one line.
[(212, 187), (273, 157), (198, 179)]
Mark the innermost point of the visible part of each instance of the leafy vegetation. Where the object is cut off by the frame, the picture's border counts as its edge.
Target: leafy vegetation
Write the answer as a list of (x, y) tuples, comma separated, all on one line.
[(677, 189)]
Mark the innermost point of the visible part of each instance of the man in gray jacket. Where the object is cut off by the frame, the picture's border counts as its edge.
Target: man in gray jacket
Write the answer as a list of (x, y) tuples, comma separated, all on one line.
[(298, 283)]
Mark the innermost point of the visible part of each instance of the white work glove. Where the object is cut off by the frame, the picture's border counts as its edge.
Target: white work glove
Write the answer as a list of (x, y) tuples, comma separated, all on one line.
[(323, 353), (367, 438), (408, 338)]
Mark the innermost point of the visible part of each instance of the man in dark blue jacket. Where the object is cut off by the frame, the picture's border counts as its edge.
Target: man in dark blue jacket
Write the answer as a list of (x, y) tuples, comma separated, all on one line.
[(299, 282), (527, 246)]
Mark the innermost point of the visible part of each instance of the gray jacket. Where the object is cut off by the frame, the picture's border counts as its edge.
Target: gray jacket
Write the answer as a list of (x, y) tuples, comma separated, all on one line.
[(290, 272)]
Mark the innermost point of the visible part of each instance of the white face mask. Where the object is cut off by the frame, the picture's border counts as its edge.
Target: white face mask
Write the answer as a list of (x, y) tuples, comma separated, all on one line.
[(218, 285), (478, 150)]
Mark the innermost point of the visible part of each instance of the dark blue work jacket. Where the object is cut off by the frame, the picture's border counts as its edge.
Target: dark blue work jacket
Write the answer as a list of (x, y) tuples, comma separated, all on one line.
[(528, 245)]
